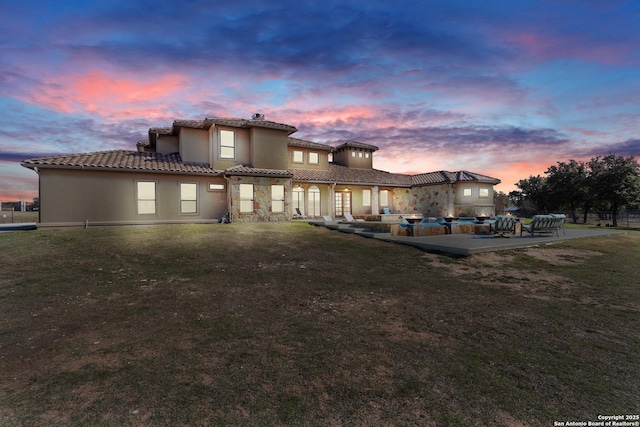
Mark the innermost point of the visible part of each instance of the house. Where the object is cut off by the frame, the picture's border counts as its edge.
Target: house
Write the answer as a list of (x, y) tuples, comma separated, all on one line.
[(198, 170)]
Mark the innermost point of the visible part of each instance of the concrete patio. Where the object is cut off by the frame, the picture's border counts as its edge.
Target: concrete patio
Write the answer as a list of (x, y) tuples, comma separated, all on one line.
[(467, 244)]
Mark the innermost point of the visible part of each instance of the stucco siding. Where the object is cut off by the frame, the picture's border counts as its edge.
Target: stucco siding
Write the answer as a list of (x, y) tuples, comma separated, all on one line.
[(269, 148), (242, 151), (194, 145), (74, 196), (167, 144)]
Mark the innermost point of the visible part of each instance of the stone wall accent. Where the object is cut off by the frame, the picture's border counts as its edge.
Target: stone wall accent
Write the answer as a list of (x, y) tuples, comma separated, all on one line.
[(261, 199), (432, 200)]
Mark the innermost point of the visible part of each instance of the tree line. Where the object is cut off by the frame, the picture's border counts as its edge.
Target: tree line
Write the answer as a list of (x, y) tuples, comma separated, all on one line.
[(609, 183)]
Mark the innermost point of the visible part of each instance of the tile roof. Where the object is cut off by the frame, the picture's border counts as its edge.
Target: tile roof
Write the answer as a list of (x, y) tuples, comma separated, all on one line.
[(343, 175), (356, 144), (224, 121), (295, 142), (244, 170), (123, 160), (444, 177)]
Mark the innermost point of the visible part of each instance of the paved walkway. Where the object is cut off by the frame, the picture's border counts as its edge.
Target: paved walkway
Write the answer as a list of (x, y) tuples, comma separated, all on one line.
[(467, 244)]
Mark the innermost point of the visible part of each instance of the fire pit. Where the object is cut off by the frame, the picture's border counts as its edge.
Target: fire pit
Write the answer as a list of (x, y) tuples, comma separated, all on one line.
[(412, 220), (451, 219), (482, 219)]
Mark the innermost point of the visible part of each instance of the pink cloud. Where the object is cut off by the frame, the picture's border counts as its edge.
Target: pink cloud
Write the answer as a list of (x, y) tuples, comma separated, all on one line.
[(109, 95), (543, 46)]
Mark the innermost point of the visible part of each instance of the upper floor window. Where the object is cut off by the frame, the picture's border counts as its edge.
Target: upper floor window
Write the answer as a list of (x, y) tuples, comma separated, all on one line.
[(227, 144), (353, 154), (466, 192), (298, 156), (188, 198), (366, 155), (277, 198), (314, 159), (360, 154), (146, 197), (484, 193)]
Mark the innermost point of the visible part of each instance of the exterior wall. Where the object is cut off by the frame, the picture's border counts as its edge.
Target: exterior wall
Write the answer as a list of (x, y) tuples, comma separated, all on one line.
[(243, 148), (326, 201), (167, 144), (433, 200), (269, 148), (323, 159), (76, 196), (194, 145), (261, 199), (443, 200), (474, 204), (344, 157)]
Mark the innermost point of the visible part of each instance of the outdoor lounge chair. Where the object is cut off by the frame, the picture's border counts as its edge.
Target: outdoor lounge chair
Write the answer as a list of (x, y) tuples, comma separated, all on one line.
[(386, 211), (350, 218), (327, 218), (298, 214), (504, 224)]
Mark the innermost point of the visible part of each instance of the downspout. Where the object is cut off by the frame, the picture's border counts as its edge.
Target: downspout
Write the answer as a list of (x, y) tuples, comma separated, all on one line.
[(228, 196), (39, 195)]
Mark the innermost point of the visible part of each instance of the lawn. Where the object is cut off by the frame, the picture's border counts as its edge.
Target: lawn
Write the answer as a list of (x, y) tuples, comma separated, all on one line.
[(290, 324)]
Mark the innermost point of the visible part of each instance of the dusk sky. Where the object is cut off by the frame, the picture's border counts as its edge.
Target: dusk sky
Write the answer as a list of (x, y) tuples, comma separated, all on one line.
[(503, 88)]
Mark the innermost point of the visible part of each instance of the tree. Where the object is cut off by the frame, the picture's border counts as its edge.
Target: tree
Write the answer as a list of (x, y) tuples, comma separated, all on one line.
[(534, 190), (501, 201), (567, 186), (615, 181)]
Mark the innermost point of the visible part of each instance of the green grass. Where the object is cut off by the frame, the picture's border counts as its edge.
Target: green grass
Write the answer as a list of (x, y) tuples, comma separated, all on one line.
[(290, 324)]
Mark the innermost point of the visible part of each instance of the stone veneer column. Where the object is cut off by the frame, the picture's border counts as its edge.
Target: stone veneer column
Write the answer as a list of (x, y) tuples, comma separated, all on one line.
[(375, 201)]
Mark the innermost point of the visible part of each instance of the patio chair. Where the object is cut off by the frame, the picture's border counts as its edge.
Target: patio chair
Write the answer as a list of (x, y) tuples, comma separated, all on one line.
[(350, 218), (386, 211), (504, 224), (327, 218), (298, 214)]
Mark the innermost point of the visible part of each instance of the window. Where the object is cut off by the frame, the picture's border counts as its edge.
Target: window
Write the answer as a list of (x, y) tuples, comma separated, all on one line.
[(314, 159), (227, 144), (366, 155), (466, 192), (360, 154), (366, 197), (146, 195), (246, 198), (484, 193), (384, 198), (277, 198), (298, 157), (353, 154), (215, 187), (188, 198)]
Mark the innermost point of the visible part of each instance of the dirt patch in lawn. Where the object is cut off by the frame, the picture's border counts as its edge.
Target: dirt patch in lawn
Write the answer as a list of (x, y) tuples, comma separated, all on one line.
[(502, 269)]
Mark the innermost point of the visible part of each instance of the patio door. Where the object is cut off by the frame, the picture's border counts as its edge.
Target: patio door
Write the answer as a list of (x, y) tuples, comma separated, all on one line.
[(314, 201), (343, 203)]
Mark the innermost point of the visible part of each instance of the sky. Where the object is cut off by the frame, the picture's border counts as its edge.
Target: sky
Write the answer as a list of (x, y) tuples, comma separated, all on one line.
[(502, 88)]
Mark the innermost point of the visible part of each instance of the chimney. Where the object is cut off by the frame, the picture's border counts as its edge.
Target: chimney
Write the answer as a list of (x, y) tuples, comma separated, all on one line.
[(257, 116)]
